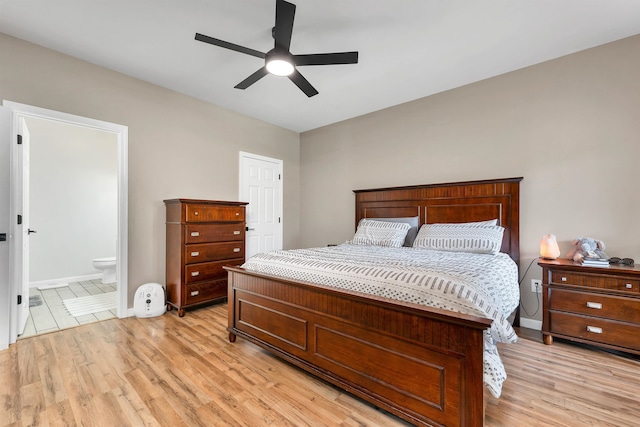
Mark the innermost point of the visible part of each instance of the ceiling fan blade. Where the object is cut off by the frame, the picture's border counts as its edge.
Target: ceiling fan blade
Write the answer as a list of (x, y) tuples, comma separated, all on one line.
[(252, 78), (303, 84), (285, 12), (326, 58), (227, 45)]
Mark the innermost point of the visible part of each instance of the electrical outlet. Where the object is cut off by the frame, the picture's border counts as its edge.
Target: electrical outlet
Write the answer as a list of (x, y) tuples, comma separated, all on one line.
[(536, 285)]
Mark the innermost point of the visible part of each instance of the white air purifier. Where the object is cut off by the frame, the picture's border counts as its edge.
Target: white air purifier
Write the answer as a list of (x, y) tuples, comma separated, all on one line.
[(149, 300)]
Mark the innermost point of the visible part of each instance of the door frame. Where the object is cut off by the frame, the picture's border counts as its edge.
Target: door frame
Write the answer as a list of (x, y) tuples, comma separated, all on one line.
[(18, 111), (242, 183)]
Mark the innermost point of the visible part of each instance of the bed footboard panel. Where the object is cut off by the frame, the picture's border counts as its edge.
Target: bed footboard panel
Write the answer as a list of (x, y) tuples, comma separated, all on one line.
[(423, 366)]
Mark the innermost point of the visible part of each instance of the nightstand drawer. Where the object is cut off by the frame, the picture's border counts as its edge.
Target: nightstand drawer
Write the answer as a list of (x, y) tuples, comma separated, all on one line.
[(593, 304), (596, 330), (597, 281)]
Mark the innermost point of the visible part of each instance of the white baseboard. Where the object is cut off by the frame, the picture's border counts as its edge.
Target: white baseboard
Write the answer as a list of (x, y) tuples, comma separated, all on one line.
[(53, 282), (531, 323)]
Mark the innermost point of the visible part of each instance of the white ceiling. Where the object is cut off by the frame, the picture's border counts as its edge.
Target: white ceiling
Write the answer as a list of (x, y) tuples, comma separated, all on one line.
[(408, 49)]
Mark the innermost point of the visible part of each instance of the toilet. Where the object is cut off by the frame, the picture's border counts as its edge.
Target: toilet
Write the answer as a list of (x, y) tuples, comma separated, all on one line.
[(108, 267)]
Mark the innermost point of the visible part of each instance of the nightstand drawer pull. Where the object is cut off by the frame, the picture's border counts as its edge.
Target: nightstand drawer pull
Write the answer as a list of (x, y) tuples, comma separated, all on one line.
[(236, 249), (628, 286), (236, 232), (195, 293), (195, 234), (195, 273), (195, 253), (594, 329), (594, 305), (564, 279)]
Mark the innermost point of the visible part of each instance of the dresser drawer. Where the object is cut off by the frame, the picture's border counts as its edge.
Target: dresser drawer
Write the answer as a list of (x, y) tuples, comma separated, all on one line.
[(596, 329), (207, 213), (205, 252), (593, 304), (597, 281), (207, 271), (201, 292), (208, 233)]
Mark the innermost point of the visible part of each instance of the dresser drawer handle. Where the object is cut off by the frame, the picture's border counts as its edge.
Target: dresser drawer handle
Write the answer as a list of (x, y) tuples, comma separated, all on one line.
[(195, 253), (195, 293), (628, 286), (596, 305), (236, 232), (594, 329), (564, 279), (237, 213), (195, 273), (196, 213), (195, 234), (236, 249)]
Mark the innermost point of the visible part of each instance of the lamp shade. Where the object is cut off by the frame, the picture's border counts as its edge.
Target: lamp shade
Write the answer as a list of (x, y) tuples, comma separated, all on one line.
[(549, 247)]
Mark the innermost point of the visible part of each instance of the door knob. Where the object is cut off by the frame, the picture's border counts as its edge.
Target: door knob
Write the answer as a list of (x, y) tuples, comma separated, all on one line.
[(29, 231)]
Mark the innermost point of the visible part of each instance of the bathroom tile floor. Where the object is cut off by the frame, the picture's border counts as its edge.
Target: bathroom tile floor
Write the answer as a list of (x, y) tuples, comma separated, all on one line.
[(52, 315)]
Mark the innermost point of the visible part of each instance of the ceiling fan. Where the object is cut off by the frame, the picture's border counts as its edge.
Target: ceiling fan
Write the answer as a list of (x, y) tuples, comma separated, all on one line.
[(279, 60)]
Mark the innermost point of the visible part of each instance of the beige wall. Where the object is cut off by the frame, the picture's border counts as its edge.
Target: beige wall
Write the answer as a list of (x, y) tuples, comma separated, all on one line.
[(178, 146), (570, 127)]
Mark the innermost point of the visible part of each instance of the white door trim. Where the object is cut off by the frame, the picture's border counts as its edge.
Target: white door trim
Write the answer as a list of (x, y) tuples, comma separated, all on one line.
[(22, 110)]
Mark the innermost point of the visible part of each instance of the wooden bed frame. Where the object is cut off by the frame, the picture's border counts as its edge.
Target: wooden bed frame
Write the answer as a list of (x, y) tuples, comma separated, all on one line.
[(422, 364)]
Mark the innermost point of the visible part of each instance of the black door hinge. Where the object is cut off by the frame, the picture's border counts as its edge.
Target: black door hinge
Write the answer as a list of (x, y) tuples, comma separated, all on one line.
[(19, 299), (19, 219), (279, 177), (19, 139)]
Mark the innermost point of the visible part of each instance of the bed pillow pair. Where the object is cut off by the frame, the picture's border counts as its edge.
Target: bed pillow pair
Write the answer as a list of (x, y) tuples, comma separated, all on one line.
[(483, 237), (380, 233)]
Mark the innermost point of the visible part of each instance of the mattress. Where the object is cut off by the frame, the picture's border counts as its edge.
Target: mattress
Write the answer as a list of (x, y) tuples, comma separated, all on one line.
[(478, 284)]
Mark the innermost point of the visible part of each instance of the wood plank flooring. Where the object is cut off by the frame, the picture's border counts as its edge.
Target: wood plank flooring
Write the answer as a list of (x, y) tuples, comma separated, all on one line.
[(51, 315), (171, 371)]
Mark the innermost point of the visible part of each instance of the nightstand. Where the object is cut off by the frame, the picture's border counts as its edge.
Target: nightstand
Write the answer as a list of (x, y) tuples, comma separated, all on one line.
[(592, 305)]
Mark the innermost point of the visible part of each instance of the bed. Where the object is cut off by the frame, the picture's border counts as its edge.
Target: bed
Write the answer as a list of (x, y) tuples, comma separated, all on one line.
[(423, 364)]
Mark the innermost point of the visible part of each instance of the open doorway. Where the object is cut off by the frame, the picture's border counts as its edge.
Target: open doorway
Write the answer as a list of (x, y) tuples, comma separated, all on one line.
[(69, 198)]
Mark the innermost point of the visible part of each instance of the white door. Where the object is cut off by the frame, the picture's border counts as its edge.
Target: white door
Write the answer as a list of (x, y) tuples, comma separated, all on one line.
[(261, 186), (23, 231)]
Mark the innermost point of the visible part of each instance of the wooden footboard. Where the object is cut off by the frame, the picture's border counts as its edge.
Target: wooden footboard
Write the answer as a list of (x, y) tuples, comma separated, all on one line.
[(423, 364)]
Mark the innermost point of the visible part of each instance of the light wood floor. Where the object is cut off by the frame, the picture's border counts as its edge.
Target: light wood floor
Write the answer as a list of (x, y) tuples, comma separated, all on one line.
[(174, 371), (48, 314)]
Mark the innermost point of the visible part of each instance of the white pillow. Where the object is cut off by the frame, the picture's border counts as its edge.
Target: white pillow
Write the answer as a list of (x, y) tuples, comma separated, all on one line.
[(487, 222), (413, 222), (476, 238), (380, 233)]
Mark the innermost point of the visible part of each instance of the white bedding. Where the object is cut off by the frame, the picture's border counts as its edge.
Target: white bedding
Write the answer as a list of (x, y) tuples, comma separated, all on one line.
[(479, 284)]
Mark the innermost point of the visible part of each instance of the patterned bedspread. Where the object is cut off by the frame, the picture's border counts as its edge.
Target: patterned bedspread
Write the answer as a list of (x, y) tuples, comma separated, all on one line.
[(478, 284)]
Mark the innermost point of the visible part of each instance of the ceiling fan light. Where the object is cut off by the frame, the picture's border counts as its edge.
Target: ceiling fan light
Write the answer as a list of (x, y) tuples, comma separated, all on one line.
[(279, 67)]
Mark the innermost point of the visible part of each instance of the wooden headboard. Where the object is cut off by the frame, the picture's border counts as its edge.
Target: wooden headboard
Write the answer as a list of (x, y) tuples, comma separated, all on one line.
[(450, 203)]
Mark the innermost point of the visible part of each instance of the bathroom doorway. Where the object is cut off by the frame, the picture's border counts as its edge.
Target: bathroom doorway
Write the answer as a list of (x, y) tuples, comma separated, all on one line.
[(69, 188)]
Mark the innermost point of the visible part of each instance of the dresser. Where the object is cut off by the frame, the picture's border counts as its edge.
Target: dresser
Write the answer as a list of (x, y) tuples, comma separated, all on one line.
[(202, 237), (592, 305)]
